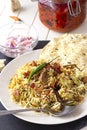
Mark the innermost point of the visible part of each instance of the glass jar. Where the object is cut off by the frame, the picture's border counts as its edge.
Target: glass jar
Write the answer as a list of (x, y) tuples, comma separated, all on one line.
[(62, 15)]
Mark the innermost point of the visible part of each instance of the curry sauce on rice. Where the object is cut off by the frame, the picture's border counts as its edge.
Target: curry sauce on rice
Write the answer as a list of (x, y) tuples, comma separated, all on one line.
[(56, 84)]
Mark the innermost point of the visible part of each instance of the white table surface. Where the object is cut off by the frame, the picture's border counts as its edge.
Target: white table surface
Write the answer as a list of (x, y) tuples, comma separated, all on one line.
[(29, 14)]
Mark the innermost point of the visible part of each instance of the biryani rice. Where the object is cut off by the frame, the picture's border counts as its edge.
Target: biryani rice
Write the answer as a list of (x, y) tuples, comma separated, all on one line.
[(49, 88)]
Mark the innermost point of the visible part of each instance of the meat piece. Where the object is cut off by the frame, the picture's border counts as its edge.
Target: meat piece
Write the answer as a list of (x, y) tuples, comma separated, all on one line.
[(84, 79), (57, 67), (43, 76)]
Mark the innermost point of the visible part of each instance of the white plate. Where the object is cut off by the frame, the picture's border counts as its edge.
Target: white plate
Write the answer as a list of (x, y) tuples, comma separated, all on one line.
[(39, 118)]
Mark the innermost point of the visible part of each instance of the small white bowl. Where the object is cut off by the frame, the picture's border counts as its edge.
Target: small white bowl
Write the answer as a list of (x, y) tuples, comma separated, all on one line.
[(17, 38)]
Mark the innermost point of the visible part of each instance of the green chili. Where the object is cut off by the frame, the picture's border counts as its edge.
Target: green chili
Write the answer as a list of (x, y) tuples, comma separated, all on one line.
[(38, 68)]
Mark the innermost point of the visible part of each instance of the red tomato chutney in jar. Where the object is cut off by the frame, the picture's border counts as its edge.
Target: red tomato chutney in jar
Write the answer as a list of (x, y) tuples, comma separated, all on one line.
[(62, 15)]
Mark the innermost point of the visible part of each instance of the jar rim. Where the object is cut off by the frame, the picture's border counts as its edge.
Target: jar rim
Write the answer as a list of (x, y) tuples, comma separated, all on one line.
[(60, 1)]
